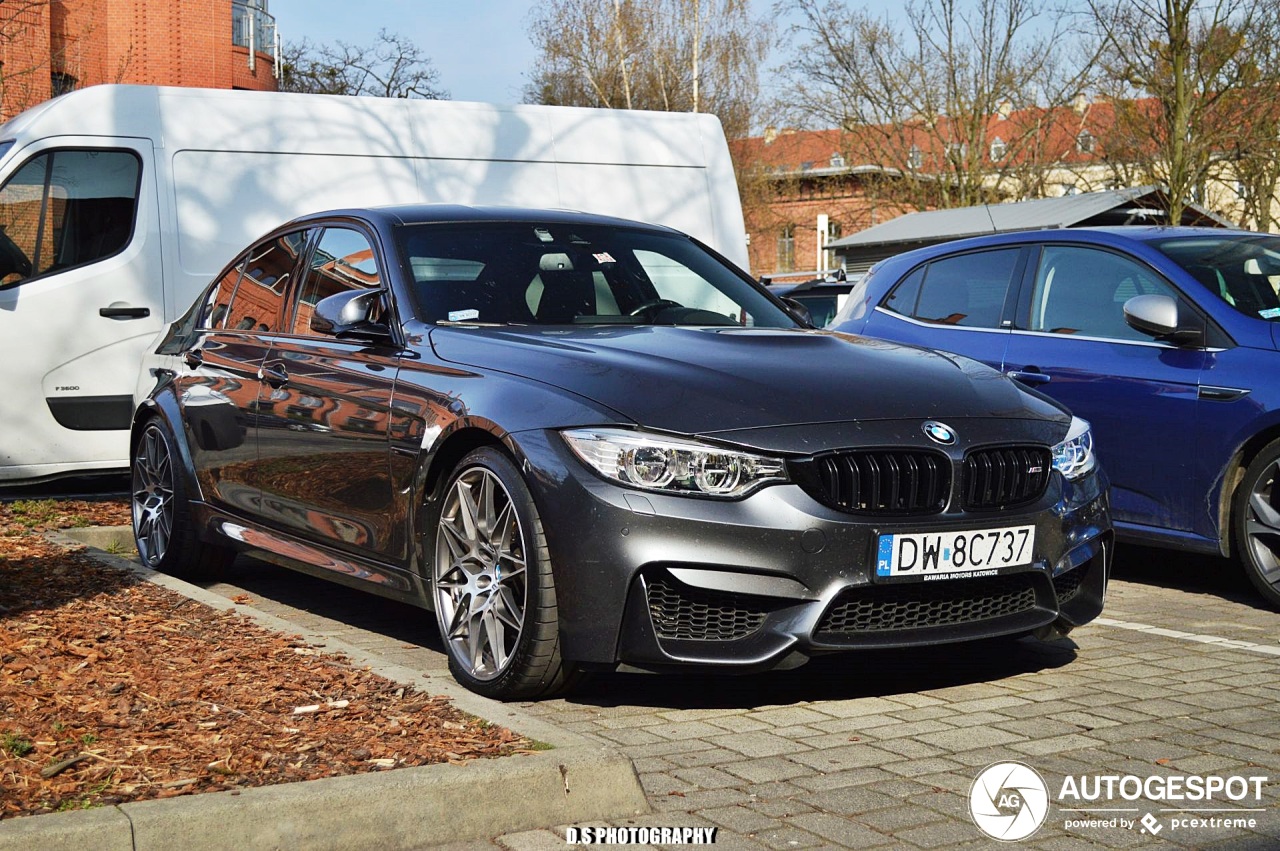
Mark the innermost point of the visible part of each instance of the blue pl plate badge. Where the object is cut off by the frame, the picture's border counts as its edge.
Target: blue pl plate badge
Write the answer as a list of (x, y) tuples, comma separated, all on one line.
[(463, 315)]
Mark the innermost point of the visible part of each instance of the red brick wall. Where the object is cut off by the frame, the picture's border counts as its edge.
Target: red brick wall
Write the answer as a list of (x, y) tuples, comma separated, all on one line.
[(150, 42)]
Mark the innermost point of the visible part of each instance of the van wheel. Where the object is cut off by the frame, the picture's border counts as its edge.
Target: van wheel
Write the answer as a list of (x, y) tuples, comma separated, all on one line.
[(1256, 522), (162, 527), (495, 595)]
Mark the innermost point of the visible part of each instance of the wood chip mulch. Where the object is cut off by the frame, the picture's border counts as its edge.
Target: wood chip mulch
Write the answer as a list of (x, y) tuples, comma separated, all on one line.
[(114, 690)]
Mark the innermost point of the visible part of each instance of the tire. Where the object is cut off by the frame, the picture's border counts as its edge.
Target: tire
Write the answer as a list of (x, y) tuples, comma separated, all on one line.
[(1255, 520), (162, 527), (493, 586)]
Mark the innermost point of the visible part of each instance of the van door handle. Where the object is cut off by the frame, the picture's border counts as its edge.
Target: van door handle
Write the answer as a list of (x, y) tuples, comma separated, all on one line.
[(1030, 377), (124, 312), (194, 358), (274, 374)]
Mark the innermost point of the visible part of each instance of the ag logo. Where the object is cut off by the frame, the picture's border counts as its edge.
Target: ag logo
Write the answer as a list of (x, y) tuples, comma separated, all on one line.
[(1009, 801)]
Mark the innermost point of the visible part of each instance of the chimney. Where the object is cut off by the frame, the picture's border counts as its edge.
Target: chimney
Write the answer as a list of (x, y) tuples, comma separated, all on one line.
[(770, 134)]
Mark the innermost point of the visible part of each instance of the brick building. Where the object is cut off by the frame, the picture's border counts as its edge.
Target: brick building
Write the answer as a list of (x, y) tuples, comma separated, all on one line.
[(48, 47)]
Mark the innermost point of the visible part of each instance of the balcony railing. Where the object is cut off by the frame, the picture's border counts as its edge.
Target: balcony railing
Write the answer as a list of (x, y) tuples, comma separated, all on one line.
[(254, 28)]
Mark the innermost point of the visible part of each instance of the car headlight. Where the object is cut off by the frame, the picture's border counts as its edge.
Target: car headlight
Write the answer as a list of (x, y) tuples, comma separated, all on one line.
[(1074, 457), (657, 462)]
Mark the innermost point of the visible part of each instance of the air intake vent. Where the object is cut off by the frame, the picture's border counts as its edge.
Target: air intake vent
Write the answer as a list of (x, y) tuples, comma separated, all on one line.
[(1005, 476), (681, 611), (888, 608), (896, 481)]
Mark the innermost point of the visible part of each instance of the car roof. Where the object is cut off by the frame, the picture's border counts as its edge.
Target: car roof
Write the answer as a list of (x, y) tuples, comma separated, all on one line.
[(408, 214), (1114, 235)]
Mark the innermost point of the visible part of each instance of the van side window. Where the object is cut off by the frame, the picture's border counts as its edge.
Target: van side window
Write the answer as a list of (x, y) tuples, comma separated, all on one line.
[(66, 208), (259, 297), (343, 260)]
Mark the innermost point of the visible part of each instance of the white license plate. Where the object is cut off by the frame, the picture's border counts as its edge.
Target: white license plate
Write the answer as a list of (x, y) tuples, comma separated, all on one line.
[(946, 555)]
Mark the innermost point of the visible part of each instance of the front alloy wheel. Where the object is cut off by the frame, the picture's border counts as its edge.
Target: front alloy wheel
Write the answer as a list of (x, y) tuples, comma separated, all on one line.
[(494, 591), (1257, 519)]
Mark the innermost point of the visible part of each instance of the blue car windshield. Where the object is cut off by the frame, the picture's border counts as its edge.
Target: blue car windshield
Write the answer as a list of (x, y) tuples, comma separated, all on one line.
[(1242, 270), (510, 273)]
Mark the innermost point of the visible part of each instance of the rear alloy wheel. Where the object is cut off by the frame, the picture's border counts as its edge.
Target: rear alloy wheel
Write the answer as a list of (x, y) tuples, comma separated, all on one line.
[(162, 527), (495, 595), (1257, 522)]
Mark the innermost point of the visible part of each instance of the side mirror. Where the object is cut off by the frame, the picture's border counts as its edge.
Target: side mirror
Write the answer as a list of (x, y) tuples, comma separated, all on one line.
[(799, 311), (1157, 316), (350, 314)]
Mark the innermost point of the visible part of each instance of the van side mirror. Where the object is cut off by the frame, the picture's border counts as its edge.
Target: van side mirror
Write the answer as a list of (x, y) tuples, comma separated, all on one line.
[(349, 315), (1157, 316)]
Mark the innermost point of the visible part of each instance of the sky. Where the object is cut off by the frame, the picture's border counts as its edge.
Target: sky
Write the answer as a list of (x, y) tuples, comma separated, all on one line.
[(480, 47)]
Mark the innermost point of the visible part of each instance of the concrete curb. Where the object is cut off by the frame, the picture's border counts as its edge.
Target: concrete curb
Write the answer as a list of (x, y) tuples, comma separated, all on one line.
[(578, 780)]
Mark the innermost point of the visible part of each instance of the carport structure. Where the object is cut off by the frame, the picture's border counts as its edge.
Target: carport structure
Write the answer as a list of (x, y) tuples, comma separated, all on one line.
[(1139, 205)]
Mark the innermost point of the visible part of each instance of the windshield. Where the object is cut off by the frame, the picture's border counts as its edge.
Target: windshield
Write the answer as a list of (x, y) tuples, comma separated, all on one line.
[(500, 273), (1242, 270)]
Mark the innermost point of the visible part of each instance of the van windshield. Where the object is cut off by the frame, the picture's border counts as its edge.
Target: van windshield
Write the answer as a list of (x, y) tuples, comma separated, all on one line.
[(1241, 269), (504, 273)]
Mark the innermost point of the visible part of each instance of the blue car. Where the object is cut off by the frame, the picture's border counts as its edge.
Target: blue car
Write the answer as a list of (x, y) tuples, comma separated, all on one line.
[(1165, 338)]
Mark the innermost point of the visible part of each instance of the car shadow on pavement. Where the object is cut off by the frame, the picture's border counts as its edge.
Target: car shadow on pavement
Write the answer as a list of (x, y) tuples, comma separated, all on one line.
[(1194, 573), (347, 606), (845, 676)]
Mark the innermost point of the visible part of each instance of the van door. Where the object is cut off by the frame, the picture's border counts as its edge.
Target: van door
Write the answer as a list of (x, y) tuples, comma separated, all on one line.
[(81, 293)]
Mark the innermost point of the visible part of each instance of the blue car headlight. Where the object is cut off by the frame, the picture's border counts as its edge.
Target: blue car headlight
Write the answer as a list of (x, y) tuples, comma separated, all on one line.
[(1074, 457), (658, 462)]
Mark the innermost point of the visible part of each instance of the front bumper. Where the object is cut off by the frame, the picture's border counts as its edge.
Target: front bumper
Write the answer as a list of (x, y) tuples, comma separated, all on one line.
[(657, 582)]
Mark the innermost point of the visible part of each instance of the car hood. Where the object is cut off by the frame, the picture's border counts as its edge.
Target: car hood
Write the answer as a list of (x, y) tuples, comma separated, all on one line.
[(703, 380)]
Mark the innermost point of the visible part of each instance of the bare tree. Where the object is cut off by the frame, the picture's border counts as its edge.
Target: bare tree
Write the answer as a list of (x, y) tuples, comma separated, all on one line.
[(392, 66), (968, 100), (1198, 98), (668, 55)]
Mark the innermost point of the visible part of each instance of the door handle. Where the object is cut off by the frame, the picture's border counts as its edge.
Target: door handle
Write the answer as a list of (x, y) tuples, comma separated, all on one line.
[(194, 358), (124, 312), (274, 374), (1030, 376)]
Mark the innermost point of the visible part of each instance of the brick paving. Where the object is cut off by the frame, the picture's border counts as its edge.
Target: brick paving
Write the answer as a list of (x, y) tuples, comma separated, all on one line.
[(1182, 677)]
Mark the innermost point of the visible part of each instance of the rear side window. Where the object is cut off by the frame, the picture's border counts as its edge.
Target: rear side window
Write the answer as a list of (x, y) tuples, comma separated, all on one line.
[(66, 208), (259, 297), (967, 290)]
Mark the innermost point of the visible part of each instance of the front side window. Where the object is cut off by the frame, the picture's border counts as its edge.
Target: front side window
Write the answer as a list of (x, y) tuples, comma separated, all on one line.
[(1243, 271), (575, 274), (1081, 291), (259, 297), (343, 260), (967, 290), (64, 209)]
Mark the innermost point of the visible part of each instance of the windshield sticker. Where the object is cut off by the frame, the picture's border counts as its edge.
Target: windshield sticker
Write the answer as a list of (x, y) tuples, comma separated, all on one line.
[(604, 257), (463, 315), (1269, 313)]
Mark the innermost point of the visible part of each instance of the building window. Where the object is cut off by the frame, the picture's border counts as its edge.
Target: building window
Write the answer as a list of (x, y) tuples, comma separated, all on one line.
[(957, 151), (787, 249), (915, 158), (806, 165), (837, 160), (60, 83), (834, 232), (998, 149), (1085, 142)]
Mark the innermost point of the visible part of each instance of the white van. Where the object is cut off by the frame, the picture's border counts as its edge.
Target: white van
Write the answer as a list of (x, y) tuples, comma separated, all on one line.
[(117, 203)]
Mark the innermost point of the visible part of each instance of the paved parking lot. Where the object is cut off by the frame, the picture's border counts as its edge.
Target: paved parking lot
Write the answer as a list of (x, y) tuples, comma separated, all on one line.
[(1180, 678)]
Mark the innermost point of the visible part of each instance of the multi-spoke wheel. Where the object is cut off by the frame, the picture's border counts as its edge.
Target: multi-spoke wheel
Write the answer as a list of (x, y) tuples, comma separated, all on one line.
[(162, 525), (1257, 522), (495, 596)]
